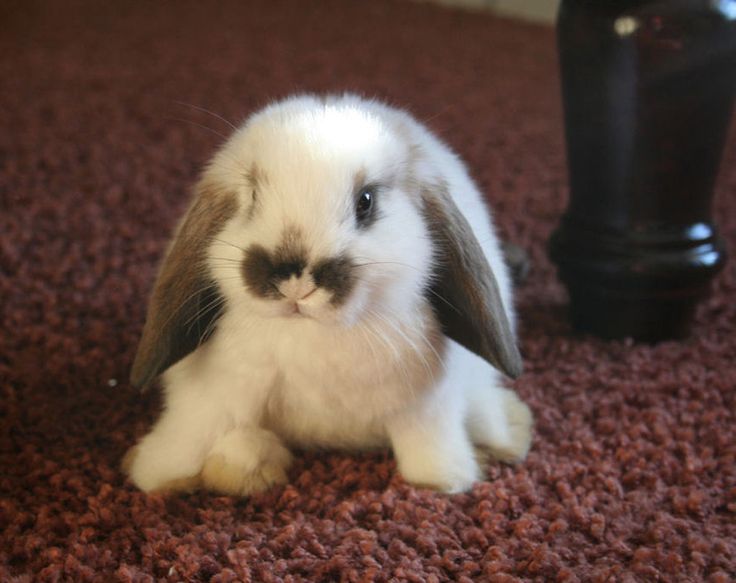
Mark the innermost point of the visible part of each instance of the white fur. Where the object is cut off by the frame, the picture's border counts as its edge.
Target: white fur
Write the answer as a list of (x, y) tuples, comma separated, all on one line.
[(361, 375)]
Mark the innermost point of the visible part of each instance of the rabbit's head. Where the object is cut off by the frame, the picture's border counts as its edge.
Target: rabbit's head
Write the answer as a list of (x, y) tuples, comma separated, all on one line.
[(323, 209), (328, 224)]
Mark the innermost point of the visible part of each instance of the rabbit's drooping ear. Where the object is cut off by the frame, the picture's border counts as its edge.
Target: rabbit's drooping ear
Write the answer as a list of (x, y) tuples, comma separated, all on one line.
[(185, 303), (464, 292)]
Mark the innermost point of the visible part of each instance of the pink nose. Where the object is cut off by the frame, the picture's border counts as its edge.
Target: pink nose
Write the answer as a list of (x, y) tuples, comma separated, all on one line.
[(297, 289)]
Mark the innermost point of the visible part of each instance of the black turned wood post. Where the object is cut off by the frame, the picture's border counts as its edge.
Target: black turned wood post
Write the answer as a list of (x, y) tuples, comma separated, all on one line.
[(648, 88)]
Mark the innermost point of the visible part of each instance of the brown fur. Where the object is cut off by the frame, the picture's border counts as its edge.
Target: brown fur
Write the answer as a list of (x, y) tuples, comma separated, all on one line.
[(256, 179), (335, 275), (464, 293), (263, 270), (183, 291)]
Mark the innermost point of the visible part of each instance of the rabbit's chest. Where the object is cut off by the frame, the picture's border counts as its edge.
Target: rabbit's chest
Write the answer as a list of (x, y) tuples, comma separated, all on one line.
[(334, 395), (326, 406), (340, 381), (311, 356)]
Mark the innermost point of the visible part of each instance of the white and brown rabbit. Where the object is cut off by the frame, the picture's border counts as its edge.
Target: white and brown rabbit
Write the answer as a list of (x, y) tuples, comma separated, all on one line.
[(336, 283)]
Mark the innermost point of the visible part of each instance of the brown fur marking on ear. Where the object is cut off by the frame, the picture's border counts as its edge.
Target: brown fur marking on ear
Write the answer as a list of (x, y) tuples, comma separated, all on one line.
[(465, 294), (185, 302), (256, 179)]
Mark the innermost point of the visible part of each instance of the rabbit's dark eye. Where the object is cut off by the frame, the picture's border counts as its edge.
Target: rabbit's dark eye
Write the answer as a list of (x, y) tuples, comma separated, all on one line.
[(364, 205)]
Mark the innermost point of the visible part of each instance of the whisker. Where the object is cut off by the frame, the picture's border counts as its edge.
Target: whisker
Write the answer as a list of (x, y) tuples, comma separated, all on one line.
[(235, 275), (385, 340), (437, 114), (429, 345), (412, 345), (384, 263), (202, 309), (218, 300), (445, 300), (212, 113), (235, 334), (208, 330), (199, 125), (381, 337), (228, 243), (368, 341), (426, 341), (429, 289), (188, 299), (211, 324), (224, 261)]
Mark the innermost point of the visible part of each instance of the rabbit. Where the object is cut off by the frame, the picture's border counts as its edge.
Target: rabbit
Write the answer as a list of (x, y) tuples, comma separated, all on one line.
[(336, 283)]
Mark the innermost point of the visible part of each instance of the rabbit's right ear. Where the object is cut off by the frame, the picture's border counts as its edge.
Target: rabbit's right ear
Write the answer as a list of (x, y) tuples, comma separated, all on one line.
[(464, 291), (185, 303)]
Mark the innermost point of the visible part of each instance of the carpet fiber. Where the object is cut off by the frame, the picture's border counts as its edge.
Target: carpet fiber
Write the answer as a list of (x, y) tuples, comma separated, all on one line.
[(631, 476)]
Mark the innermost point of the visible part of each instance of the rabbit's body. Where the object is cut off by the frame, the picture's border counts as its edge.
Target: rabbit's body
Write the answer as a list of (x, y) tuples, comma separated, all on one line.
[(337, 343)]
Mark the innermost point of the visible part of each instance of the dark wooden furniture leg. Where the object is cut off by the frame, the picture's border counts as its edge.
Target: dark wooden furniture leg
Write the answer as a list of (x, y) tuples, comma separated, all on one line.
[(648, 88)]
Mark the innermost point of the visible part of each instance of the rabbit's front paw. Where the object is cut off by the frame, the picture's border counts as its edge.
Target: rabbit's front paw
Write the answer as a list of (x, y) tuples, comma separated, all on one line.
[(143, 471), (450, 475), (245, 461), (451, 478), (449, 466), (499, 422), (520, 423)]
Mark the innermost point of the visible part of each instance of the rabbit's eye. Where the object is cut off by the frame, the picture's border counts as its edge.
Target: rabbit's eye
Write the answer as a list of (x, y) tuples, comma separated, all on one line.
[(364, 205)]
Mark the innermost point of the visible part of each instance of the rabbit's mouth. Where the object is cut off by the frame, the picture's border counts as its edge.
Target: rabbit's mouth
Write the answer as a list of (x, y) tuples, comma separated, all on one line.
[(295, 310)]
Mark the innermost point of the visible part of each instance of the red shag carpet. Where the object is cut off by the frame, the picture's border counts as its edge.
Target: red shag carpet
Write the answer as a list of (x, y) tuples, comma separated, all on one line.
[(632, 475)]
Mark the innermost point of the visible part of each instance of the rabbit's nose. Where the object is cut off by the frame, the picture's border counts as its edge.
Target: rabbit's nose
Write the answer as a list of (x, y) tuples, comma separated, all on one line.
[(297, 288)]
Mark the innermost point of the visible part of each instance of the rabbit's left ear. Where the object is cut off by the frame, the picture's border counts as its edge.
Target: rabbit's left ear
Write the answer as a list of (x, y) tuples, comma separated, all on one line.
[(464, 291), (185, 303)]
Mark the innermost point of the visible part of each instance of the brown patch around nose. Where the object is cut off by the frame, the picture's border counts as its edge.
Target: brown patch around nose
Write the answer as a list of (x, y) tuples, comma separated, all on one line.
[(263, 270), (335, 275)]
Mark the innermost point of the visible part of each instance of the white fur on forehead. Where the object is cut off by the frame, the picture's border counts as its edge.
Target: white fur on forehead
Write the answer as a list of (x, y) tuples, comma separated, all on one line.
[(344, 133), (329, 127)]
